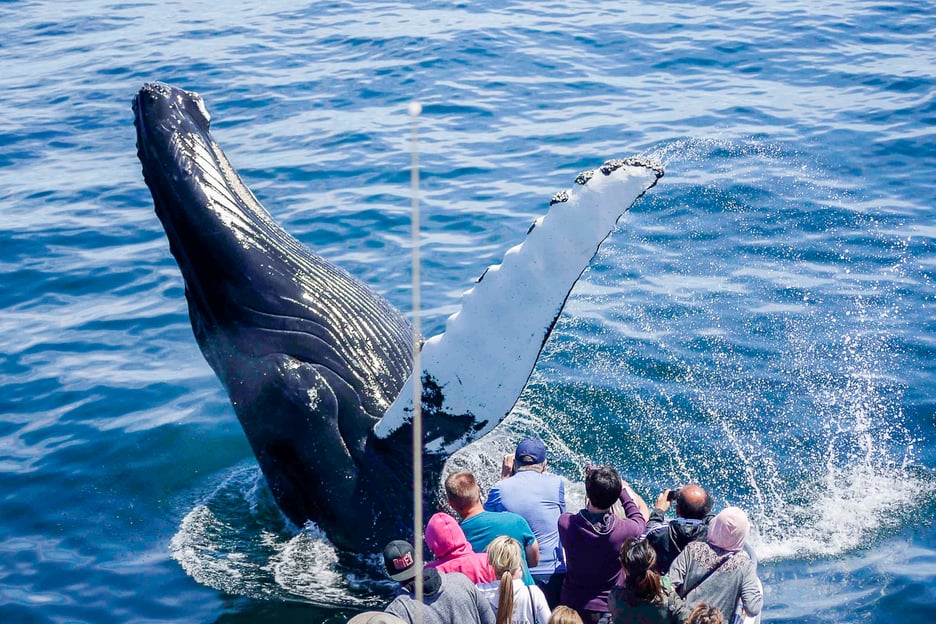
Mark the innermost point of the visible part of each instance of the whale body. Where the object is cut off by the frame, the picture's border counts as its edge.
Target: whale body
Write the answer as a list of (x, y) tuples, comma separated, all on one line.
[(317, 365)]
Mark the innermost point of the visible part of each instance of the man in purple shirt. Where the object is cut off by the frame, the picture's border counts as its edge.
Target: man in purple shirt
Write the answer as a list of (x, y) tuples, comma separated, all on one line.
[(592, 540)]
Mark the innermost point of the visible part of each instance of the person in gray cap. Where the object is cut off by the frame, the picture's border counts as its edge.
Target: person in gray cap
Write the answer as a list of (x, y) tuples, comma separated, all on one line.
[(447, 598), (527, 489)]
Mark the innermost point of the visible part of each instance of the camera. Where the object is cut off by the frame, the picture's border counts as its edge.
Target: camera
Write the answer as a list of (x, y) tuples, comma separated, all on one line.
[(671, 495)]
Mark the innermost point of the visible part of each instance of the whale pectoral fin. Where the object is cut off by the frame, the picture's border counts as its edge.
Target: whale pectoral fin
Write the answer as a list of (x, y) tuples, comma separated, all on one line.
[(473, 373)]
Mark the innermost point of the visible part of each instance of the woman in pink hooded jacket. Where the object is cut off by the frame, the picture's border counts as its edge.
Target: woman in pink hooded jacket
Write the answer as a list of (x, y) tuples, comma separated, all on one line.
[(452, 551)]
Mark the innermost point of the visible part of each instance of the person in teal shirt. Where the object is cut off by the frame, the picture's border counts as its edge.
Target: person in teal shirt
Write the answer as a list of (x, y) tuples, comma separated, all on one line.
[(481, 527)]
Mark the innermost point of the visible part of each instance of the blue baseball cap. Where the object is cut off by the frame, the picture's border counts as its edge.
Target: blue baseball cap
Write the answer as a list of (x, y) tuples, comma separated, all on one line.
[(530, 451)]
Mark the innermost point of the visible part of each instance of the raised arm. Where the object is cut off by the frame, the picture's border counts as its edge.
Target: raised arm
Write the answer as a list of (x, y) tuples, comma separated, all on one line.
[(634, 521)]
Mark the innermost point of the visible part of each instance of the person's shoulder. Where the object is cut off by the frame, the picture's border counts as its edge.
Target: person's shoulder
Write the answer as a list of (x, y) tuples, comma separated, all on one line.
[(574, 524), (697, 547), (616, 592), (745, 560), (654, 531), (507, 487), (550, 485), (494, 501), (526, 477), (617, 598), (473, 525), (502, 518), (537, 593), (487, 518), (518, 521), (455, 579), (514, 517), (397, 606), (550, 476), (506, 521), (488, 587)]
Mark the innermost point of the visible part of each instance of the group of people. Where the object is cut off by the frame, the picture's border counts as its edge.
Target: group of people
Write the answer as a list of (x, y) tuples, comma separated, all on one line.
[(519, 557)]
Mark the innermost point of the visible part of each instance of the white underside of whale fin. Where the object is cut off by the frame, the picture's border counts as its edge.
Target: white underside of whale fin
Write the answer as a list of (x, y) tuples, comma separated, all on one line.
[(482, 362)]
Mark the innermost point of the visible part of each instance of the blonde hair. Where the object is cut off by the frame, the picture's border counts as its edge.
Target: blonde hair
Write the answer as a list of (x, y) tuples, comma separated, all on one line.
[(565, 615), (462, 491), (505, 557)]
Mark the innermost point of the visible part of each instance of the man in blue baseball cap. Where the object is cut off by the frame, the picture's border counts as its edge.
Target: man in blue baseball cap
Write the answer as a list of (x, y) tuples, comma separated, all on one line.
[(527, 489)]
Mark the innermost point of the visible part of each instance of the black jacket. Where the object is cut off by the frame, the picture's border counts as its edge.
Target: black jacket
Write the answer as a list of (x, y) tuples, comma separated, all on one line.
[(669, 538)]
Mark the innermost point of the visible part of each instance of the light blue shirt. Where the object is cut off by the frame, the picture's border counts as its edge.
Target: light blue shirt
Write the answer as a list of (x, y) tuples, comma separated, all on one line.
[(540, 498)]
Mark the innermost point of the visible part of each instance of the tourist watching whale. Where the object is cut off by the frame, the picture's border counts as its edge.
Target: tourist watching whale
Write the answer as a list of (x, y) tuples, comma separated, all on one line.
[(717, 571), (510, 598), (452, 551), (527, 489), (447, 598), (644, 596), (693, 514), (481, 527), (592, 539)]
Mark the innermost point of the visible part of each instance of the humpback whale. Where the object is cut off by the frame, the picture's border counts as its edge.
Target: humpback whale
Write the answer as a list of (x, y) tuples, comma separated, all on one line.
[(318, 367)]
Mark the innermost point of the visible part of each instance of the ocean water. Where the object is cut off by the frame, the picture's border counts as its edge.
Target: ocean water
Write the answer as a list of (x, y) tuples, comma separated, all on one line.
[(762, 321)]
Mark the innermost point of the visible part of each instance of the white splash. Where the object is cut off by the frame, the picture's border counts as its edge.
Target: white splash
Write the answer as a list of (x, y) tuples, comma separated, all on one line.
[(229, 542)]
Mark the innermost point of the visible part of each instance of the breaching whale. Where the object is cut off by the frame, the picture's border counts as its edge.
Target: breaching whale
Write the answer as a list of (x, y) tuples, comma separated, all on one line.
[(317, 365)]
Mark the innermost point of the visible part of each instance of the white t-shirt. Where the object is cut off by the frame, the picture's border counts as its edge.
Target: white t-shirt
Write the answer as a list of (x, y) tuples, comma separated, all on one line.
[(522, 612)]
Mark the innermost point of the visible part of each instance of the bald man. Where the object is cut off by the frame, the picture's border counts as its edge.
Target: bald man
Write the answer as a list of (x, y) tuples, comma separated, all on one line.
[(693, 514)]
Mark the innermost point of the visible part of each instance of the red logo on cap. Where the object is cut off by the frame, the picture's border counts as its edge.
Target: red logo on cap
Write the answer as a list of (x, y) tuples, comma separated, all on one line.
[(401, 563)]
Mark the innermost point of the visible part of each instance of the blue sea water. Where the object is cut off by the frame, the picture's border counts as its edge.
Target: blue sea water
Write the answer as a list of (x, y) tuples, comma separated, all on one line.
[(762, 321)]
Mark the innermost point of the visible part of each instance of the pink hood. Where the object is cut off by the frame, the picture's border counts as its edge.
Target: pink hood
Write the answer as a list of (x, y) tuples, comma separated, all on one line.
[(453, 553), (445, 538)]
